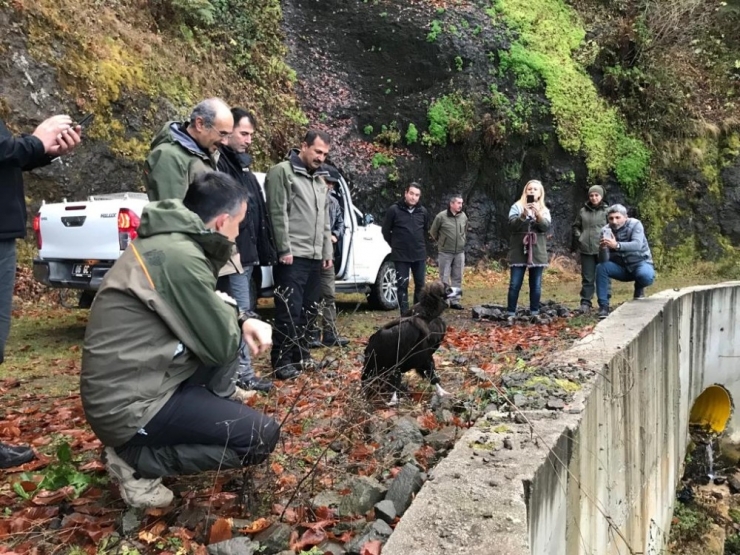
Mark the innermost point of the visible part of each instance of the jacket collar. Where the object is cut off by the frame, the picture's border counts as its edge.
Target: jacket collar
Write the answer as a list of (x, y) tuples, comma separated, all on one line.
[(182, 137), (300, 168)]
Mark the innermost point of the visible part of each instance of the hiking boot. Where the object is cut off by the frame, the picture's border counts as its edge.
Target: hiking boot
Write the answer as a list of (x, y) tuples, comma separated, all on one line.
[(332, 340), (639, 293), (456, 306), (585, 308), (288, 372), (255, 383), (313, 340), (603, 312), (136, 491), (15, 455)]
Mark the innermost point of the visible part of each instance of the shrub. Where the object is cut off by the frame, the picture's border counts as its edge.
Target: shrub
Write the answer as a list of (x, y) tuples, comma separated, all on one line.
[(368, 130), (450, 117), (435, 29), (380, 159), (389, 134), (412, 134)]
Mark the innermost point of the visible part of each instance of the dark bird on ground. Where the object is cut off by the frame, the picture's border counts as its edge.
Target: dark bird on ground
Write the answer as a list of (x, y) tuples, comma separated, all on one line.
[(408, 343)]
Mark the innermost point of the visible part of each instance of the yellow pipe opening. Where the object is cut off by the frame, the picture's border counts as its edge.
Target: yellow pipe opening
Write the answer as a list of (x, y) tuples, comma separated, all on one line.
[(712, 409)]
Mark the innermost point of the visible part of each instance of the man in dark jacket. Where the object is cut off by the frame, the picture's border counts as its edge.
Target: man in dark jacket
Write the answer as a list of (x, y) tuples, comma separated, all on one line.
[(405, 229), (255, 242), (161, 349), (296, 200), (55, 136), (629, 256)]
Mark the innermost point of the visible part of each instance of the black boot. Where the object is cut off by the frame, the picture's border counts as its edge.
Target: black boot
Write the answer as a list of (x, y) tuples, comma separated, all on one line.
[(331, 339), (313, 340), (15, 455)]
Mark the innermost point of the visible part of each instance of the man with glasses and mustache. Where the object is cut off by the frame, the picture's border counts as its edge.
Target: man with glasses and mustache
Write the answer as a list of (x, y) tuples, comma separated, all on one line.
[(183, 150)]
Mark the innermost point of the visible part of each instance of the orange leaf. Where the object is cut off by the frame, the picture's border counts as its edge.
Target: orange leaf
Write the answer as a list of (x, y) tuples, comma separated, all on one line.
[(277, 468), (371, 548), (308, 539), (45, 497), (257, 526), (154, 533), (220, 531)]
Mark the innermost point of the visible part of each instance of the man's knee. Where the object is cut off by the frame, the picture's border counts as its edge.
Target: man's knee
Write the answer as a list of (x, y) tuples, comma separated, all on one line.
[(645, 275)]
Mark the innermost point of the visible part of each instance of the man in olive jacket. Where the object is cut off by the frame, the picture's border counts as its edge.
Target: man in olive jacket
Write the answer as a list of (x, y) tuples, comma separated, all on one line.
[(449, 229), (296, 199), (161, 349), (183, 150)]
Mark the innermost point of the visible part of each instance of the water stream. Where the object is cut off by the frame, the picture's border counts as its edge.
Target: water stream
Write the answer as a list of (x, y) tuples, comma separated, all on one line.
[(710, 461)]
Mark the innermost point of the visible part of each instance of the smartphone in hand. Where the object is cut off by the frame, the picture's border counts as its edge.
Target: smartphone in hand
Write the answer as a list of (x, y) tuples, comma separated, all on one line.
[(85, 121), (530, 199)]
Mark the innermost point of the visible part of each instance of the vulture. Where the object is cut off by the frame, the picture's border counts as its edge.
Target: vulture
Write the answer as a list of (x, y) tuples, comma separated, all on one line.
[(408, 343)]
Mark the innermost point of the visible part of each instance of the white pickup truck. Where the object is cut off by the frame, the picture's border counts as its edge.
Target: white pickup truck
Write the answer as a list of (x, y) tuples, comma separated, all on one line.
[(79, 242)]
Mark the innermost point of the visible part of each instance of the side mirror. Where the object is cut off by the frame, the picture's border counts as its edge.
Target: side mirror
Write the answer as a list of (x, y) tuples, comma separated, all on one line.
[(367, 219)]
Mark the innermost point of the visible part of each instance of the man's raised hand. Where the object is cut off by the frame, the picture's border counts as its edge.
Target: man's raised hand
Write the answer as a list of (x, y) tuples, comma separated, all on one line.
[(50, 130)]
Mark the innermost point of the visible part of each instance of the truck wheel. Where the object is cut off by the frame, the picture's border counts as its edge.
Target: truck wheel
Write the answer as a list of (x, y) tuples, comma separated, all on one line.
[(383, 295)]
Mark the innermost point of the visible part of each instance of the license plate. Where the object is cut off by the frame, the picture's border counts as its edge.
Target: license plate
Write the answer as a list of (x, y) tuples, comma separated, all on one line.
[(82, 270)]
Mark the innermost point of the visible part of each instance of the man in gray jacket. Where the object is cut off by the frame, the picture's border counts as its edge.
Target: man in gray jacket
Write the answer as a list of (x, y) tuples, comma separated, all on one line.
[(296, 201), (629, 257), (449, 230)]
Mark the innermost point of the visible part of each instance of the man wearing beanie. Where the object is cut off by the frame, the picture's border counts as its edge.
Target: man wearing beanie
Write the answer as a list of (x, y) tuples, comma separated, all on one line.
[(629, 257), (586, 234)]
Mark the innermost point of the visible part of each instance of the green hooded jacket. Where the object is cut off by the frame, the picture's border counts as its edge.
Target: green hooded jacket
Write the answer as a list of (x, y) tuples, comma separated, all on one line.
[(297, 202), (587, 227), (155, 320), (174, 160)]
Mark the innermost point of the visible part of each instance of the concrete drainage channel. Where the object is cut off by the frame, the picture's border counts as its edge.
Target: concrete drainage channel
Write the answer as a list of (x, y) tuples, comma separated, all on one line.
[(599, 477)]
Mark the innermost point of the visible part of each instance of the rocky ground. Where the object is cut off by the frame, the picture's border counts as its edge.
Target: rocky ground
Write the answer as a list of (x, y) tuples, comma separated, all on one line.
[(342, 476)]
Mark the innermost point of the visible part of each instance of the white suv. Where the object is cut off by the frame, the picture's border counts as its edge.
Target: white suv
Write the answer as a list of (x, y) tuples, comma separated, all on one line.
[(79, 242)]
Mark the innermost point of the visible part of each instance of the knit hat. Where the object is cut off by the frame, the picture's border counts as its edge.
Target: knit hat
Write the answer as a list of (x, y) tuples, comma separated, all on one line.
[(596, 189)]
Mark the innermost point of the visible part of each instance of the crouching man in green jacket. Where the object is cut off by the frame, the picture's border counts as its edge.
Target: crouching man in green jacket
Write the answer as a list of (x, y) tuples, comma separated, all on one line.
[(161, 349)]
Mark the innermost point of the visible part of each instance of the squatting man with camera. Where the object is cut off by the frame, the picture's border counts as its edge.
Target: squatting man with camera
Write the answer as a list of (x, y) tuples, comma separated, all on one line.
[(161, 350), (624, 255)]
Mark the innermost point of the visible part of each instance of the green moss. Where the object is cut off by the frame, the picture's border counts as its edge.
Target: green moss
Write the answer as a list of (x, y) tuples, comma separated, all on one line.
[(120, 66), (549, 33), (451, 117), (567, 385), (501, 429)]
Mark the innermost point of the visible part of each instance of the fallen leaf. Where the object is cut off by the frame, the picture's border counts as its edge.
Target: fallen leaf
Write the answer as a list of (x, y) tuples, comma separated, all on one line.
[(371, 548), (257, 526), (220, 531)]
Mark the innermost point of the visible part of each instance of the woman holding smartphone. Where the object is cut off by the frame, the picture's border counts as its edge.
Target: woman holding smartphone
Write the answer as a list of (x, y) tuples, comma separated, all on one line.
[(529, 220)]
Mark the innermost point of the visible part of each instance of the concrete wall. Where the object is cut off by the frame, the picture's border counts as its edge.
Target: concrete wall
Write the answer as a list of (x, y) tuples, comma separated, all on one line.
[(600, 477)]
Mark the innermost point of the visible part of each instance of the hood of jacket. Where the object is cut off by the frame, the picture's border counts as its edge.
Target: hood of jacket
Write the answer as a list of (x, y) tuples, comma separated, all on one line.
[(171, 216), (174, 132)]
